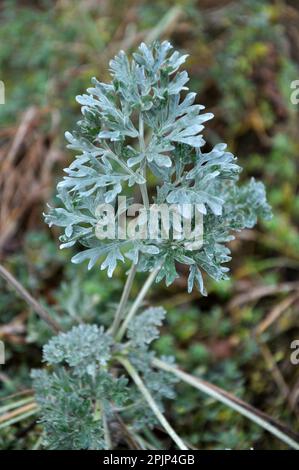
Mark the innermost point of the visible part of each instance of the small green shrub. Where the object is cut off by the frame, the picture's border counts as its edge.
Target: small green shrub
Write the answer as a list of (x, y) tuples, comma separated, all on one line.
[(143, 126)]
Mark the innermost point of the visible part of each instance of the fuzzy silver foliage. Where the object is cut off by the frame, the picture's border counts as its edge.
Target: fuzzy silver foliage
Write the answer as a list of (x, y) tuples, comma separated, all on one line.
[(144, 124), (83, 384), (148, 96)]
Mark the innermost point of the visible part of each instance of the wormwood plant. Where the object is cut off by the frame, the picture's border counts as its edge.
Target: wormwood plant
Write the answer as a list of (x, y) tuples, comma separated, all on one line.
[(103, 387)]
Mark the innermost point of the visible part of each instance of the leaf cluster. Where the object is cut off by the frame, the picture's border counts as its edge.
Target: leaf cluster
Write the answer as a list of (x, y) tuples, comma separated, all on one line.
[(84, 385), (143, 125)]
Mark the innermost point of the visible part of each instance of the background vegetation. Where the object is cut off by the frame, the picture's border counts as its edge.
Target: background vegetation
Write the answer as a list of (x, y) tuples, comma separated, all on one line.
[(243, 58)]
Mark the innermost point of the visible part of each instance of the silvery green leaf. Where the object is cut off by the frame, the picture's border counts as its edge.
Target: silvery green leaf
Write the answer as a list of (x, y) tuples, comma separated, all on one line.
[(111, 261), (162, 160), (149, 249), (82, 345), (82, 144), (195, 275), (175, 61), (93, 254), (157, 152), (120, 67), (144, 329), (132, 161), (133, 254), (140, 127), (111, 195), (144, 56), (178, 84), (196, 196), (216, 159), (168, 270)]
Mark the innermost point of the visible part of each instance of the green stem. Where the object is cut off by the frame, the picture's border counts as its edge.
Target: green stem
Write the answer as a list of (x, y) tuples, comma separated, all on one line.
[(37, 307), (123, 165), (124, 299), (137, 303), (153, 405), (227, 399), (144, 194), (38, 443), (106, 430), (18, 418), (16, 404), (154, 442), (143, 444), (143, 186)]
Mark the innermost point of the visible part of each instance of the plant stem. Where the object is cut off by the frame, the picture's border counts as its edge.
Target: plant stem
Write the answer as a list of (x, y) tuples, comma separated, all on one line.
[(227, 399), (143, 186), (143, 190), (122, 164), (124, 299), (166, 25), (153, 405), (152, 439), (16, 404), (38, 308), (17, 415), (17, 394), (38, 443), (137, 302), (106, 431), (143, 444), (18, 418)]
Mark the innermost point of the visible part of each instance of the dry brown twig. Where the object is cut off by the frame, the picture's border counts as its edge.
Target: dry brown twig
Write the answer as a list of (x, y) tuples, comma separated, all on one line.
[(258, 292), (34, 304), (17, 412), (276, 312), (25, 171)]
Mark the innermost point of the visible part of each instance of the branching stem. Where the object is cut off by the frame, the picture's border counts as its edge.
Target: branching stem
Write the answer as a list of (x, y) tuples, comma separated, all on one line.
[(151, 402), (107, 436), (36, 306), (137, 303), (227, 399), (143, 186), (124, 299)]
